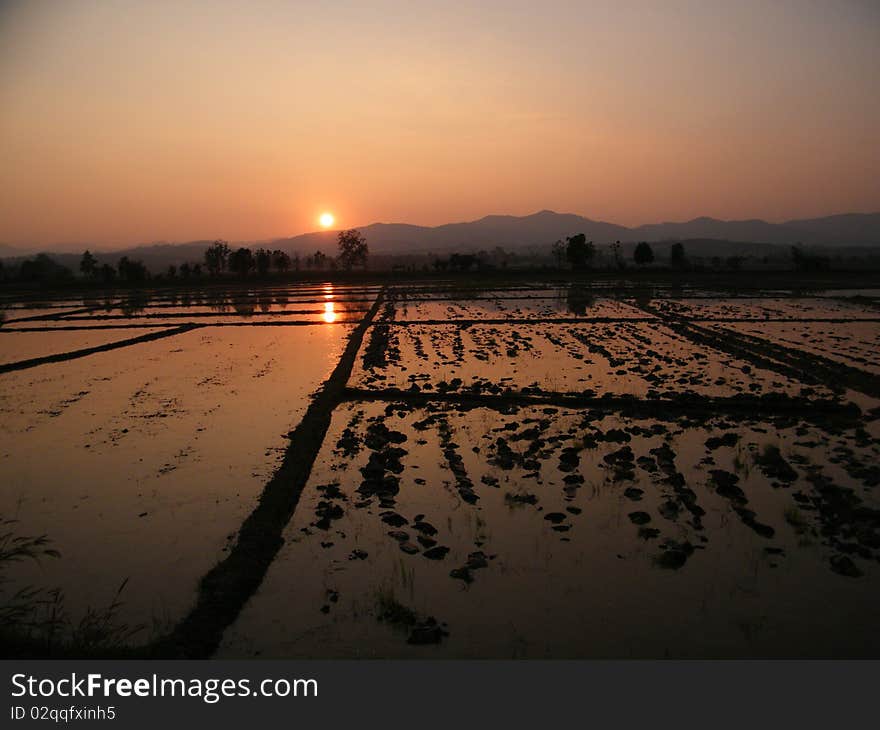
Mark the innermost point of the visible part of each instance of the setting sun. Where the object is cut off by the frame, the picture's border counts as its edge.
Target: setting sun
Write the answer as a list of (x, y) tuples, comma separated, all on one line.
[(326, 220)]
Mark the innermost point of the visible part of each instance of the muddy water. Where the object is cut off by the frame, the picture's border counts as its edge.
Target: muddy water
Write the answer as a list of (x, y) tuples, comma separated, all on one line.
[(609, 358), (711, 496), (760, 308), (515, 307), (141, 463), (15, 346), (569, 558), (856, 344)]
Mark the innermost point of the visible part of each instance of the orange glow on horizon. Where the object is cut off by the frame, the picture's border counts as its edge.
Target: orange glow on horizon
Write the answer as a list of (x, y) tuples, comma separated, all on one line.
[(428, 120)]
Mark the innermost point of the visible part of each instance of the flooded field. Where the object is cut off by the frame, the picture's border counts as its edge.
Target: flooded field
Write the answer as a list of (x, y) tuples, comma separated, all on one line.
[(537, 471)]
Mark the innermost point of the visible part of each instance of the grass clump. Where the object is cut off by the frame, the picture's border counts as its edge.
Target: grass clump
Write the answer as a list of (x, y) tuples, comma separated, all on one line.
[(393, 611), (34, 621)]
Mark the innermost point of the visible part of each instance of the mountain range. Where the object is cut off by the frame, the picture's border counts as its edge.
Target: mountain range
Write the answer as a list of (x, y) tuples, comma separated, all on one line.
[(537, 230), (543, 228)]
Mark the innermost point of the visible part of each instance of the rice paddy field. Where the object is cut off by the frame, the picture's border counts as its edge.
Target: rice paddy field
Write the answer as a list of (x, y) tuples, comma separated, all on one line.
[(534, 470)]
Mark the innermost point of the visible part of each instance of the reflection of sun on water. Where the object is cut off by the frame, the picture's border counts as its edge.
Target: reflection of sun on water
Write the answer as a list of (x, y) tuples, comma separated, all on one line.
[(329, 311)]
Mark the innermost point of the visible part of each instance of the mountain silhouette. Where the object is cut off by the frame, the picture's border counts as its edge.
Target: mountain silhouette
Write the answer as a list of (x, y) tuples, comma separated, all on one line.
[(546, 226), (539, 229)]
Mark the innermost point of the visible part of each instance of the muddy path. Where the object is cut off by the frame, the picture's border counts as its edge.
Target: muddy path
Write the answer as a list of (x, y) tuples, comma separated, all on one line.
[(770, 405), (807, 367), (74, 354), (227, 587)]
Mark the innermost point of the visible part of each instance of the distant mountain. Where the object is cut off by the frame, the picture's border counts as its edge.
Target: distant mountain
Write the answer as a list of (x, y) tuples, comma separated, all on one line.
[(494, 230), (546, 226), (756, 231), (850, 229), (7, 250), (705, 236)]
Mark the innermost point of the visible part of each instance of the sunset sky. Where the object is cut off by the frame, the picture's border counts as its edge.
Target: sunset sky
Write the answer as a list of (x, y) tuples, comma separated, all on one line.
[(127, 122)]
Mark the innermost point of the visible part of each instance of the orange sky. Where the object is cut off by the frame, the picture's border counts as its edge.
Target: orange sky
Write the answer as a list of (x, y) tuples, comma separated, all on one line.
[(125, 122)]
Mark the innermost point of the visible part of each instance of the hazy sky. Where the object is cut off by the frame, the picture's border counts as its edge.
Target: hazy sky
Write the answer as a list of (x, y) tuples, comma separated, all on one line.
[(125, 122)]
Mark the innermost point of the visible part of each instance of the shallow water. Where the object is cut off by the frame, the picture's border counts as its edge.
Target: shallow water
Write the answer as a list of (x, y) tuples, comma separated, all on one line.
[(593, 587), (565, 471), (141, 463), (16, 346)]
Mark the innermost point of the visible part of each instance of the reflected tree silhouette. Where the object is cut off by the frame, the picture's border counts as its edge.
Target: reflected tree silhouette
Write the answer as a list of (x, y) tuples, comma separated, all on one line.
[(579, 299)]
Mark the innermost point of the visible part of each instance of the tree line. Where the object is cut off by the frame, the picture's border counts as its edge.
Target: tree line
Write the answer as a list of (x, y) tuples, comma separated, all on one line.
[(580, 253), (220, 258)]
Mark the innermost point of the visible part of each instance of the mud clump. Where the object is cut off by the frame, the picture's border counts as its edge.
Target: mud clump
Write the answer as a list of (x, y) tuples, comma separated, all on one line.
[(774, 465), (716, 442), (436, 553), (520, 499), (675, 554), (726, 486), (384, 464), (427, 632), (326, 513), (842, 565), (622, 463)]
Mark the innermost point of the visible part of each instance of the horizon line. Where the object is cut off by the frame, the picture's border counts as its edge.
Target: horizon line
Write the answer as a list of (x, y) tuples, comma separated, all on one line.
[(179, 242)]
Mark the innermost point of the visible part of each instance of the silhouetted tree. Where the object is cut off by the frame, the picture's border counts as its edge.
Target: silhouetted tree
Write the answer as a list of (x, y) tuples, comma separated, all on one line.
[(353, 249), (462, 261), (317, 260), (43, 268), (499, 257), (263, 259), (643, 254), (676, 255), (217, 257), (804, 261), (618, 259), (241, 262), (579, 252), (197, 270), (108, 273), (281, 260), (130, 270), (171, 271), (185, 270), (88, 265), (559, 253)]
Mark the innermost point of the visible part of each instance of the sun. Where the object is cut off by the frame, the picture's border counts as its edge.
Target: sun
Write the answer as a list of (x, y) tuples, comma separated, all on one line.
[(326, 220)]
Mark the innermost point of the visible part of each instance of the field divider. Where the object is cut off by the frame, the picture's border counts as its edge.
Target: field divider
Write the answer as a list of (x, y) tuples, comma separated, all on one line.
[(225, 589), (791, 362), (74, 354), (654, 319), (57, 315), (692, 405), (147, 324)]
